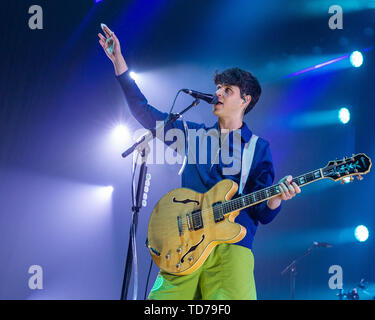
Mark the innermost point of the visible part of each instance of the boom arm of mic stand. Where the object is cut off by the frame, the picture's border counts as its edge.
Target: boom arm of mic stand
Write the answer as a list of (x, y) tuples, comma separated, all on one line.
[(292, 267), (152, 134)]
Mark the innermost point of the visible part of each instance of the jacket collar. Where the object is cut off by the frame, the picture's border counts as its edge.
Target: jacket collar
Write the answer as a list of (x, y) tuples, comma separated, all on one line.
[(245, 131)]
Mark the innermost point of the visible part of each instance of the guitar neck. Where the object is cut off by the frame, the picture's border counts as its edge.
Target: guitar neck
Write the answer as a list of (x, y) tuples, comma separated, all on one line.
[(267, 193)]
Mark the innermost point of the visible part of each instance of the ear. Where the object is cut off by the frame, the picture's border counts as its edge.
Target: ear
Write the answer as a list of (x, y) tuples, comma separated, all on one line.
[(246, 100)]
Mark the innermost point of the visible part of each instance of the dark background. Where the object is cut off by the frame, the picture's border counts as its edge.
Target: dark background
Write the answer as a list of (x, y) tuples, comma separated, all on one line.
[(60, 100)]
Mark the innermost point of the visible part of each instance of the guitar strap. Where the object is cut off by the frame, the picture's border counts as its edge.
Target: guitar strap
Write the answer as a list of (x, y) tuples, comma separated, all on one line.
[(247, 160), (186, 147)]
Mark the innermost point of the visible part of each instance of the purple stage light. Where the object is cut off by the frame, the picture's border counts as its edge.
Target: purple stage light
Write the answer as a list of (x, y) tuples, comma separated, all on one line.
[(318, 66), (355, 58)]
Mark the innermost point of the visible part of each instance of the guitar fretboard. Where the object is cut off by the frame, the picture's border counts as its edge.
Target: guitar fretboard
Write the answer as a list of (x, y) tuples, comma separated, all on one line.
[(258, 196)]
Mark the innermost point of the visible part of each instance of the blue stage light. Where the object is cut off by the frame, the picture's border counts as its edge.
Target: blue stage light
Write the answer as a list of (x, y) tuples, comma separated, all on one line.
[(361, 233), (344, 115), (356, 59)]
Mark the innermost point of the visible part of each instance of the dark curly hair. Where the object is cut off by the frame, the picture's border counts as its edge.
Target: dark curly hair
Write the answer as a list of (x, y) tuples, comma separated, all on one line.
[(247, 83)]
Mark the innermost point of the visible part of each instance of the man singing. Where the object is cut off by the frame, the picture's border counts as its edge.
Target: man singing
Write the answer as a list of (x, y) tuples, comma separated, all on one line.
[(228, 271)]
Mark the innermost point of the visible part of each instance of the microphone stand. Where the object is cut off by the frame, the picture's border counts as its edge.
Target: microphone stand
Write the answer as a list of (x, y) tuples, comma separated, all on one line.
[(292, 267), (141, 146)]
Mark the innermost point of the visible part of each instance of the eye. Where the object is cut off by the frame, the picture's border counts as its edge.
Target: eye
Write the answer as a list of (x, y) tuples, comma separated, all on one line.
[(228, 90)]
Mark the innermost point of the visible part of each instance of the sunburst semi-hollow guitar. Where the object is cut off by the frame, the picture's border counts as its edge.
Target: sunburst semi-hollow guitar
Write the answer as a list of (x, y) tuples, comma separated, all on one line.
[(186, 225)]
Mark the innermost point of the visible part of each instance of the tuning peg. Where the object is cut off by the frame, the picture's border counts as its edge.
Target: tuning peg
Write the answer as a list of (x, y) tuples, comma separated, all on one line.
[(359, 177)]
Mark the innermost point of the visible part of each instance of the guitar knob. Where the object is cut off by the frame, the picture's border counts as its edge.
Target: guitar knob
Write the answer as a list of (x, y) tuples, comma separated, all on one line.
[(179, 250), (351, 178), (178, 266), (342, 181), (168, 256), (191, 259)]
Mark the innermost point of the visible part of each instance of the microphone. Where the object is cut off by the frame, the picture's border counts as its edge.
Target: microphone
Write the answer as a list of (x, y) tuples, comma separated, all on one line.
[(322, 244), (209, 98)]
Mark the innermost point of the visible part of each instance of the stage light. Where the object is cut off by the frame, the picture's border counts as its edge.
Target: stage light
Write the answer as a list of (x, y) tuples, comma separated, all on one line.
[(344, 115), (133, 75), (361, 233), (356, 59), (109, 189), (105, 192), (121, 134)]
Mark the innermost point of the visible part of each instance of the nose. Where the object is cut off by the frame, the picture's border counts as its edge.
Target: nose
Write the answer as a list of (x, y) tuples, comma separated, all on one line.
[(219, 92)]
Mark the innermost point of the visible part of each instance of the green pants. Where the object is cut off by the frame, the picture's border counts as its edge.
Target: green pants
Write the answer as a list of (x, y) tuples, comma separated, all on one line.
[(227, 274)]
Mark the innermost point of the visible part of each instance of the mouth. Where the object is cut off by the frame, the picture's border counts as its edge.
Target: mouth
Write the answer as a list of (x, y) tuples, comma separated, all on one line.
[(219, 103)]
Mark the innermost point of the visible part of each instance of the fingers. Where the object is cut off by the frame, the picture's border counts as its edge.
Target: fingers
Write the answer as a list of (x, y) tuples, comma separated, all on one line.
[(107, 31), (102, 41), (296, 187), (114, 36), (284, 191), (288, 188), (101, 37)]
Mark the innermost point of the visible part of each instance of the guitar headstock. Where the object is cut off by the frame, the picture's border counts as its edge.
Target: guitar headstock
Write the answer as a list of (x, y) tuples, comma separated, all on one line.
[(356, 165)]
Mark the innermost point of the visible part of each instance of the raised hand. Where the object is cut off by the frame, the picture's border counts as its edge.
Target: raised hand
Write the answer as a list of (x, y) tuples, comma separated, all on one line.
[(109, 40)]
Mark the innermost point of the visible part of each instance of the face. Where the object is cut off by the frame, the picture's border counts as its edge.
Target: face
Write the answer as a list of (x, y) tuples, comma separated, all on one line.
[(230, 102)]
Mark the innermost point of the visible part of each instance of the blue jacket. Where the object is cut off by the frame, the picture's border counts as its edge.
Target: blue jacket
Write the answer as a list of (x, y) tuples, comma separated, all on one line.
[(203, 176)]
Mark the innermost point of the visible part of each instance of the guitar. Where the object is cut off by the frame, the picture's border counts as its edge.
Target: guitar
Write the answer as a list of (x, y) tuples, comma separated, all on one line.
[(186, 225)]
